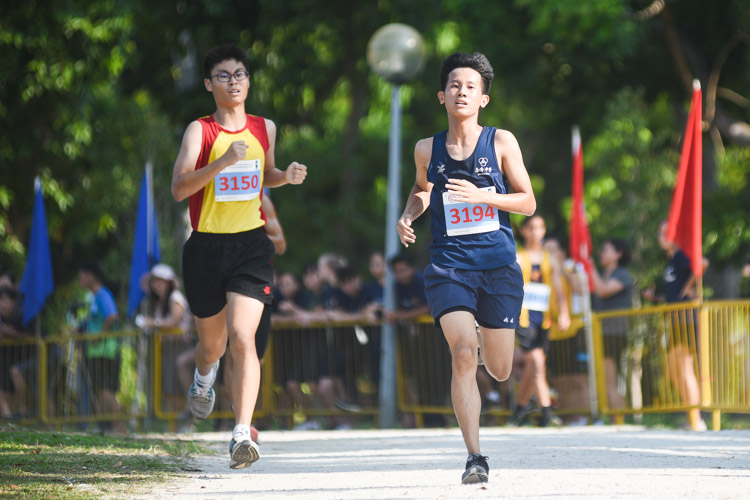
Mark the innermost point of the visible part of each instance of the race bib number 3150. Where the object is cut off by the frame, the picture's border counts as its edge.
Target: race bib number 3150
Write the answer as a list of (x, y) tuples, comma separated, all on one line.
[(238, 182), (469, 218)]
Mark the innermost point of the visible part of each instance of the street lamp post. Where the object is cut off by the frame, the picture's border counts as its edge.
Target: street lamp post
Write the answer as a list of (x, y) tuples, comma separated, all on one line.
[(395, 52)]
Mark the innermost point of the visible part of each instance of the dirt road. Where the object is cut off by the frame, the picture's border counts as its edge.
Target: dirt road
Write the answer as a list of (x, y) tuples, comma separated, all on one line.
[(576, 462)]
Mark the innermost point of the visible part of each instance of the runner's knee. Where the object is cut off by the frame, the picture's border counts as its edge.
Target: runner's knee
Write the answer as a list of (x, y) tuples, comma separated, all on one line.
[(242, 345), (464, 358), (499, 369), (210, 351)]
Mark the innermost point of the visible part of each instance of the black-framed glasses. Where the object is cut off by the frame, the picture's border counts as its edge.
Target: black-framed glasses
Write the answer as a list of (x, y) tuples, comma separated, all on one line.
[(224, 77)]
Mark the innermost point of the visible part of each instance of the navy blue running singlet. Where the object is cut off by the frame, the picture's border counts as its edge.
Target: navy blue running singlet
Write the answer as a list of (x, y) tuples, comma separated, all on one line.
[(464, 235)]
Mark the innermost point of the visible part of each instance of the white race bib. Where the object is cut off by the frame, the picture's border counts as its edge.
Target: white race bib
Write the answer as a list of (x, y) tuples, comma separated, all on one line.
[(536, 297), (469, 218), (238, 182)]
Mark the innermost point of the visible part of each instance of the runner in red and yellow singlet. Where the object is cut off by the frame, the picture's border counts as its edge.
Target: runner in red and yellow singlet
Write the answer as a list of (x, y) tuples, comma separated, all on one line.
[(224, 162)]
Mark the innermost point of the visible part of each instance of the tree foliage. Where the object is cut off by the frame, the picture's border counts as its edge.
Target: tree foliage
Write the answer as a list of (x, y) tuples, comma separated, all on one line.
[(90, 91)]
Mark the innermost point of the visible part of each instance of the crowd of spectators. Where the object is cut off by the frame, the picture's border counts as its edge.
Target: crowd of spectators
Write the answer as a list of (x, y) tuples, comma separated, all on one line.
[(331, 290)]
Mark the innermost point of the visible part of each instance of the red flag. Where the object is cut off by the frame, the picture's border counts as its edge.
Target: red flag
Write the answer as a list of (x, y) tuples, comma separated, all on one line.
[(580, 237), (685, 217)]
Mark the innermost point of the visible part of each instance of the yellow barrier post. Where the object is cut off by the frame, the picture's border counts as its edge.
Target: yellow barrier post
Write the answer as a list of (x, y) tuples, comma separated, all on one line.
[(591, 349), (703, 350), (42, 379), (598, 363)]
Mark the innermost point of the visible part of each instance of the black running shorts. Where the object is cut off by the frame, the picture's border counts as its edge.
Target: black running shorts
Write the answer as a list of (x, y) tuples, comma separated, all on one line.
[(214, 264), (530, 338)]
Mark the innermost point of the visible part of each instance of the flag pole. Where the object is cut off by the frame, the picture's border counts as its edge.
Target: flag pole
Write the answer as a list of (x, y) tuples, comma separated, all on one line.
[(585, 283), (703, 349), (38, 319), (150, 213)]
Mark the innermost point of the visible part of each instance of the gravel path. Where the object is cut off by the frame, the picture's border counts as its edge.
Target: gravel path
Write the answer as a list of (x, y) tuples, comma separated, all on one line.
[(573, 462)]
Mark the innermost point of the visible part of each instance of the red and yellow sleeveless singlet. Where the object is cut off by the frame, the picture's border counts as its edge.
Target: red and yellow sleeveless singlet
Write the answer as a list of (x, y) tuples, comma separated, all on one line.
[(211, 211)]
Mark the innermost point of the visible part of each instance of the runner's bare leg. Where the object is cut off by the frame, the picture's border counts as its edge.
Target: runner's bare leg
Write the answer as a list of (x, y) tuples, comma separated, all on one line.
[(212, 340), (460, 332), (243, 317)]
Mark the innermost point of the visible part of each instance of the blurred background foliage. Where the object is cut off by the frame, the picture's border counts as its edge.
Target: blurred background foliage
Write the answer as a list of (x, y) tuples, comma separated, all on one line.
[(89, 91)]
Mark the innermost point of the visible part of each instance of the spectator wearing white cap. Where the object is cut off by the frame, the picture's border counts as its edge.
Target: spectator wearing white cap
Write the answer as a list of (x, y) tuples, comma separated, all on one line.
[(165, 308), (165, 304)]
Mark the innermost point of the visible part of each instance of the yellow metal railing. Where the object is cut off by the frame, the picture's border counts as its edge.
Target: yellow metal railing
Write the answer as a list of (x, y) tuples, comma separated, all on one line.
[(323, 369), (342, 355), (15, 355), (726, 382), (424, 375), (171, 348), (674, 358), (68, 377), (643, 360), (567, 374)]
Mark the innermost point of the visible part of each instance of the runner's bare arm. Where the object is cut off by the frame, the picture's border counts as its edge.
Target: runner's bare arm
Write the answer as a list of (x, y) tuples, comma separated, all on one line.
[(273, 227), (521, 200), (295, 173), (186, 180), (419, 198)]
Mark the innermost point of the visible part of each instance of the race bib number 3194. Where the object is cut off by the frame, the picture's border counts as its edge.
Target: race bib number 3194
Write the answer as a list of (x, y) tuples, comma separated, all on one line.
[(238, 182), (469, 218)]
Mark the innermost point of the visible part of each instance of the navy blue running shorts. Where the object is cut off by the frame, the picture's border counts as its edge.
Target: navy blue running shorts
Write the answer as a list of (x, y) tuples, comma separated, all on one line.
[(493, 296), (214, 264)]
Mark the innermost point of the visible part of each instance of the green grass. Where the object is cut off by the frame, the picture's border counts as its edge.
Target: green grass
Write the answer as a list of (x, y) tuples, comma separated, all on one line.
[(41, 464)]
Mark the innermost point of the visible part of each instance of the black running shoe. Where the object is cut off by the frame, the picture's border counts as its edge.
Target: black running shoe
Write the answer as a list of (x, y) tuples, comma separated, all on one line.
[(476, 469), (549, 419), (520, 417)]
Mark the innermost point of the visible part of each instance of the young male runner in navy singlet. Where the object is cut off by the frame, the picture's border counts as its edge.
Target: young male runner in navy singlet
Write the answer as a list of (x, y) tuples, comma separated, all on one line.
[(463, 176)]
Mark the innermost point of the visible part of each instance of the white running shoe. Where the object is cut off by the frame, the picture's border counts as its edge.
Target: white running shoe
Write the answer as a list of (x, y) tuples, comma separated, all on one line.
[(243, 452), (201, 399)]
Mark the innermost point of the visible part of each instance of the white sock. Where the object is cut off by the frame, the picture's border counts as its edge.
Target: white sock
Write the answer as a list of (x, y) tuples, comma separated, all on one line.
[(205, 380), (240, 431)]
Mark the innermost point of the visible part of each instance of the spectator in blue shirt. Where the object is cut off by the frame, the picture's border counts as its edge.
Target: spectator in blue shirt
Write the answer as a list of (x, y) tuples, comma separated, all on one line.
[(102, 356)]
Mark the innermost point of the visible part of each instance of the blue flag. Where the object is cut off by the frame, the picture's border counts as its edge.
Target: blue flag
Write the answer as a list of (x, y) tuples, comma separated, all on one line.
[(146, 250), (36, 283)]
